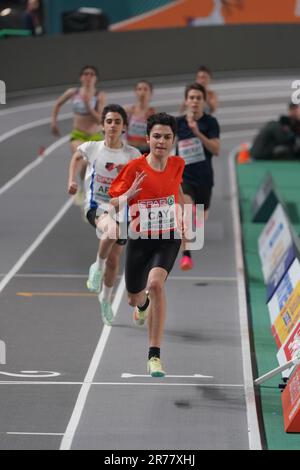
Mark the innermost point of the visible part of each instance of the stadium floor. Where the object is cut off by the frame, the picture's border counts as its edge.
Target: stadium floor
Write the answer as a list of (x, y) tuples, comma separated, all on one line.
[(76, 395)]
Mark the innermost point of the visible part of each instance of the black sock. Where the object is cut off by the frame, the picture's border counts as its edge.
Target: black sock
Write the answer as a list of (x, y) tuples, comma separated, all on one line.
[(187, 253), (145, 306), (154, 352)]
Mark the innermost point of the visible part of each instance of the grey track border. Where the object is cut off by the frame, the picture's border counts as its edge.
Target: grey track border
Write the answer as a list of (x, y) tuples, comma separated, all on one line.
[(254, 435)]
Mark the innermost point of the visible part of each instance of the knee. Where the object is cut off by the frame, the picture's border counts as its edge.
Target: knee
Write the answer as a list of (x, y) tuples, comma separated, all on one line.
[(155, 287)]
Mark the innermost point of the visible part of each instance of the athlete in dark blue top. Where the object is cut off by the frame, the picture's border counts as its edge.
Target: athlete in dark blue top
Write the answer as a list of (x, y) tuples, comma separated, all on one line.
[(198, 140)]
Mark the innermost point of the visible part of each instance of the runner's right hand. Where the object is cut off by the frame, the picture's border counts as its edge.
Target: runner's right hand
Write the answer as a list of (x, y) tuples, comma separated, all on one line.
[(72, 187), (135, 187)]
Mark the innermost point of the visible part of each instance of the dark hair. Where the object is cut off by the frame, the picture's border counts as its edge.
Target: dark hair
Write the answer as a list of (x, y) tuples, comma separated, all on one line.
[(195, 86), (114, 108), (205, 69), (147, 83), (163, 119), (293, 105), (92, 67)]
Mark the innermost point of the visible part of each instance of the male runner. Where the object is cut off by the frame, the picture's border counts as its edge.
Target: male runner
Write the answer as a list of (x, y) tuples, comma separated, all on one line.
[(104, 160), (151, 186), (198, 140)]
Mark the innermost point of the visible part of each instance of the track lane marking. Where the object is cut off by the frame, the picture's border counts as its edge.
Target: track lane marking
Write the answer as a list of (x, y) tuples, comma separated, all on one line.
[(19, 176), (30, 250), (96, 359)]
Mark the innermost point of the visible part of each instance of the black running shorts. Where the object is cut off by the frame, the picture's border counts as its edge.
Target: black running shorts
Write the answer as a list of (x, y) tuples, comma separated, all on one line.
[(91, 216), (199, 194), (142, 255)]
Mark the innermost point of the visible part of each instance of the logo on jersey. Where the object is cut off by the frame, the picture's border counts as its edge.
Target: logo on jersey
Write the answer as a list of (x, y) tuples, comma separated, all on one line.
[(110, 166)]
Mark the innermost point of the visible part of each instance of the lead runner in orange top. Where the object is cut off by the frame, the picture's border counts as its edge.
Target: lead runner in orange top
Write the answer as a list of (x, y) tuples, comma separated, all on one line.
[(151, 185)]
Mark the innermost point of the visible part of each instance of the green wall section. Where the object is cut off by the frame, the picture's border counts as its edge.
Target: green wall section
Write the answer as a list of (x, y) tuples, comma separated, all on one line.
[(116, 10), (286, 179)]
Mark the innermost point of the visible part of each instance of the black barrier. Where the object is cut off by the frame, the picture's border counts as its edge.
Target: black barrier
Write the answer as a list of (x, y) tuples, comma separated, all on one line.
[(50, 61)]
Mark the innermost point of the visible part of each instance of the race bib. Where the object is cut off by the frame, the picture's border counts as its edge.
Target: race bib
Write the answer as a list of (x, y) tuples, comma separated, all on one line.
[(191, 150), (137, 128), (102, 185), (158, 215)]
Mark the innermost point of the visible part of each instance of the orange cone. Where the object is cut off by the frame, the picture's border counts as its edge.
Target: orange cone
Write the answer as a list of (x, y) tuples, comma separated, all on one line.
[(244, 154)]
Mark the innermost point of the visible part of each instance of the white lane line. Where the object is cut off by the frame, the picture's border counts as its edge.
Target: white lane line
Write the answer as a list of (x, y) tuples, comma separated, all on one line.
[(32, 374), (264, 108), (202, 279), (155, 383), (22, 260), (83, 276), (83, 394), (246, 120), (33, 164), (225, 98), (233, 134), (127, 375), (285, 93), (34, 434), (27, 107), (31, 125), (50, 276), (252, 418), (218, 86)]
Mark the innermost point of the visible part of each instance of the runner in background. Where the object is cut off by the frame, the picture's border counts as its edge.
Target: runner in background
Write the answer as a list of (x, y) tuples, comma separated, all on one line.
[(88, 105), (204, 77), (104, 160), (138, 115), (151, 186), (198, 140)]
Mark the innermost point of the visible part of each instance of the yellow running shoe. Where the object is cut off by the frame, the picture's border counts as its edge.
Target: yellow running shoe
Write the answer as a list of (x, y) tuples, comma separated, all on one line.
[(155, 367), (139, 316)]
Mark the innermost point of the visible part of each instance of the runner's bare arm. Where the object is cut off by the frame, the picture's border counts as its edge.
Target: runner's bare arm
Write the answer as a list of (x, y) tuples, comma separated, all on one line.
[(58, 104), (74, 168)]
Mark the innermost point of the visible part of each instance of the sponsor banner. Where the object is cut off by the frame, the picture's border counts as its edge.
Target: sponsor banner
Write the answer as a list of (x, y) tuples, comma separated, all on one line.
[(291, 403), (284, 290), (280, 271), (287, 350), (288, 317), (150, 14), (274, 242)]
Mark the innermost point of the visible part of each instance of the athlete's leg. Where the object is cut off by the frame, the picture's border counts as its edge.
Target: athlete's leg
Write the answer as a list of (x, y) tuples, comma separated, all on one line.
[(110, 275), (156, 320), (186, 262), (109, 234), (109, 229), (112, 265)]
